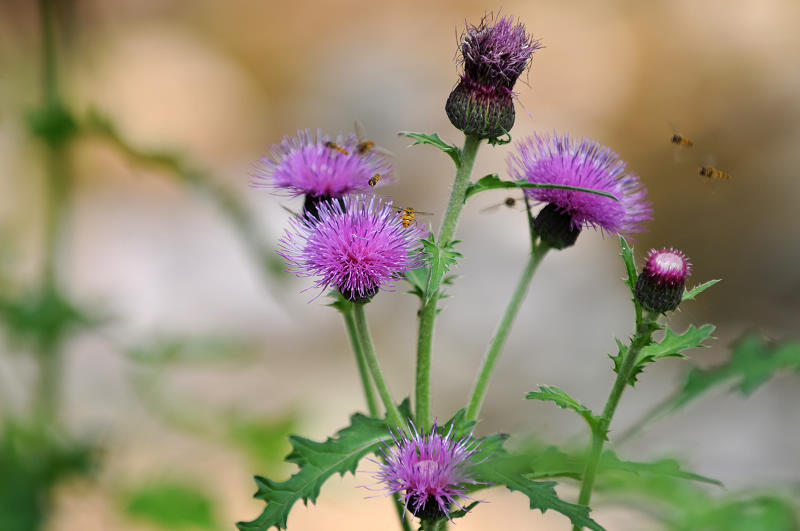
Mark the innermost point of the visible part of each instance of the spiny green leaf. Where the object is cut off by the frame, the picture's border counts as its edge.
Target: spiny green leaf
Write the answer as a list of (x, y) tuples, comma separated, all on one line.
[(440, 259), (563, 400), (434, 140), (753, 362), (493, 182), (318, 461), (508, 470), (498, 141), (172, 505), (630, 266), (622, 349), (418, 278), (689, 295), (757, 512)]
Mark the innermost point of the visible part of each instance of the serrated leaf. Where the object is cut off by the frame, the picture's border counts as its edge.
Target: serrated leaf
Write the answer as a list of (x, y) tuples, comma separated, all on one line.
[(418, 278), (318, 461), (630, 266), (434, 140), (689, 295), (622, 349), (440, 260), (753, 362), (498, 141), (494, 182), (563, 400), (508, 470), (172, 505)]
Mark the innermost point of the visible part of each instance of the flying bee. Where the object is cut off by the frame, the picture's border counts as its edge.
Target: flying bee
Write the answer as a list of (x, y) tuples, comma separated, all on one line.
[(333, 145), (713, 173), (409, 215), (374, 179), (508, 202), (364, 146), (679, 140)]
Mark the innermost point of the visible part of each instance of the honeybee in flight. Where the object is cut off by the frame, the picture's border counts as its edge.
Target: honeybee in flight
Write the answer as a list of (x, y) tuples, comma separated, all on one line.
[(409, 215), (713, 173), (364, 146), (333, 145), (508, 202), (374, 179), (681, 140)]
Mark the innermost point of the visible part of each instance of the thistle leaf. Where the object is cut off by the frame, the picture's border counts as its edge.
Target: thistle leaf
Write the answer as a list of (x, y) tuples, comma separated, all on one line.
[(563, 400), (435, 141)]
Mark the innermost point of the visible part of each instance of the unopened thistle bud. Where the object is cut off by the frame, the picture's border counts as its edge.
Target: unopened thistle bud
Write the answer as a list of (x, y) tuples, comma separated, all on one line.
[(660, 286), (494, 54)]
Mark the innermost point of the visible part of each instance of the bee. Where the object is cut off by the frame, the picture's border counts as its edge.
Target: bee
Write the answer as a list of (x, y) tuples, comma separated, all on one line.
[(508, 202), (681, 140), (374, 179), (333, 145), (409, 215), (364, 146), (713, 173)]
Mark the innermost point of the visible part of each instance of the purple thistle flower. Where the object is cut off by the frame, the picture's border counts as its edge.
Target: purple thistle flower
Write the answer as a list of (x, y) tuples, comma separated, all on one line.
[(557, 159), (357, 245), (321, 168), (660, 285), (430, 470), (494, 54)]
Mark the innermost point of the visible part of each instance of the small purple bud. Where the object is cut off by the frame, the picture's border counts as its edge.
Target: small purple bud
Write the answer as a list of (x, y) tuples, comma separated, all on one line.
[(660, 285), (494, 54)]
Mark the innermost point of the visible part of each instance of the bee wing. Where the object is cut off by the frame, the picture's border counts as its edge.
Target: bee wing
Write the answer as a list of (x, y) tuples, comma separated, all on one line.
[(491, 208), (382, 151), (358, 127)]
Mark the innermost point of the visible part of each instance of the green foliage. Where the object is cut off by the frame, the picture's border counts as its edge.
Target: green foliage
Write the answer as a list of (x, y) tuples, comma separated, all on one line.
[(52, 122), (171, 505), (318, 461), (418, 278), (563, 400), (32, 463), (498, 141), (440, 260), (671, 345), (263, 440), (435, 141), (753, 362), (630, 265), (494, 182), (178, 349), (689, 295)]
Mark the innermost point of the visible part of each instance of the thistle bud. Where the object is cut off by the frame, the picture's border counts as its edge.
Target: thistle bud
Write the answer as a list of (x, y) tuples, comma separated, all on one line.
[(494, 54), (660, 285)]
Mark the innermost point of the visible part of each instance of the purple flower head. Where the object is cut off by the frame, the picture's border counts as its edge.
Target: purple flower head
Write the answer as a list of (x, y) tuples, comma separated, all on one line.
[(319, 167), (430, 470), (357, 245), (557, 159), (660, 286), (494, 54)]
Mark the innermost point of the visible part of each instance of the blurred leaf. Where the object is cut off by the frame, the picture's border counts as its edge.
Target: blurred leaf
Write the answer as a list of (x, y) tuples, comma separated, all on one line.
[(753, 362), (689, 295), (52, 122), (176, 349), (264, 440), (563, 400), (318, 461), (434, 140), (494, 182), (171, 505), (757, 513)]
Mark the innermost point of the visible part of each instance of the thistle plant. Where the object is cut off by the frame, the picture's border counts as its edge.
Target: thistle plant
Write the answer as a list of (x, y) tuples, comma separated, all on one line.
[(355, 245)]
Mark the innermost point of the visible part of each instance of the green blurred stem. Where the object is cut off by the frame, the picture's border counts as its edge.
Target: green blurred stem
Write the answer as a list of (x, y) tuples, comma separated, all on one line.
[(428, 310), (653, 414), (368, 349), (363, 370), (642, 338), (503, 329), (401, 514)]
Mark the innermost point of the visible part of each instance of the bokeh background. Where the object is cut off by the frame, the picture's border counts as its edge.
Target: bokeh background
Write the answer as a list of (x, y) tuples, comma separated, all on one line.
[(205, 354)]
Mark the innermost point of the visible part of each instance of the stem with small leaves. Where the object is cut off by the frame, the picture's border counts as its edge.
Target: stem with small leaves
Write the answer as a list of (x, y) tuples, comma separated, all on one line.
[(428, 310), (644, 331)]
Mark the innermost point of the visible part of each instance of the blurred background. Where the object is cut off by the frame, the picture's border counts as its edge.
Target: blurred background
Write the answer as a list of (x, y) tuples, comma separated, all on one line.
[(155, 356)]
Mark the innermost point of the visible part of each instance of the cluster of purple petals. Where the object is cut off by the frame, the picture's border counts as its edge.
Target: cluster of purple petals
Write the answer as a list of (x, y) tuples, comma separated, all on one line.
[(555, 159), (305, 165), (357, 245), (496, 52), (427, 468), (667, 266)]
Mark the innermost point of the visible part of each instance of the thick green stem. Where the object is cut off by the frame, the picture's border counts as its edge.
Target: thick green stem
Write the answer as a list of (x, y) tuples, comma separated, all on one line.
[(368, 349), (363, 370), (641, 339), (503, 329), (428, 311), (401, 514)]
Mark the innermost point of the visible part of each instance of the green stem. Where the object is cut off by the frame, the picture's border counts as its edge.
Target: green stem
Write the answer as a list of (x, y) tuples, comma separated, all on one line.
[(401, 514), (363, 371), (503, 329), (641, 339), (428, 310), (374, 368)]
